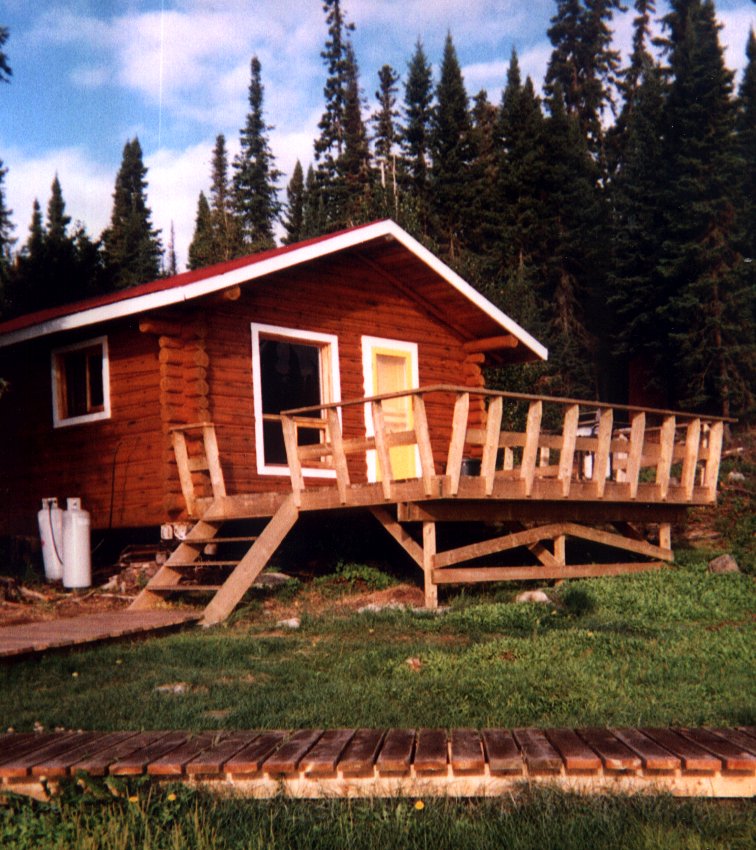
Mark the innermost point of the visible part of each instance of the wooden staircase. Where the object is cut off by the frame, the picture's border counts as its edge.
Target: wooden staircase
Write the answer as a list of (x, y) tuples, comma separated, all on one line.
[(208, 561)]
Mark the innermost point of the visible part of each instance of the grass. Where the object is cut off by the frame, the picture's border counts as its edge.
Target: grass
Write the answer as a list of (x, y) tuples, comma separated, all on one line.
[(177, 817), (675, 647)]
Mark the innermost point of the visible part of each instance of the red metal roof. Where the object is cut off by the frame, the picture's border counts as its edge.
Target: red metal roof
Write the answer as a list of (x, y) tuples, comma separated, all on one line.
[(37, 317)]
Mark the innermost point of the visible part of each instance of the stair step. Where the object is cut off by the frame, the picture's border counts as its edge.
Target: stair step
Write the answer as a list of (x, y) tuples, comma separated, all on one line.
[(203, 541), (184, 588)]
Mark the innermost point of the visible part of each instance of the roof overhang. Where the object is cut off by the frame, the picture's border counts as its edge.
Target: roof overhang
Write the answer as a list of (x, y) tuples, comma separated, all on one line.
[(193, 285)]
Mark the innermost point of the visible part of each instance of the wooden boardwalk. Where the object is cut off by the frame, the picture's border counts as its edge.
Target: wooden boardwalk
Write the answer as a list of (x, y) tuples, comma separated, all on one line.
[(411, 762), (30, 638)]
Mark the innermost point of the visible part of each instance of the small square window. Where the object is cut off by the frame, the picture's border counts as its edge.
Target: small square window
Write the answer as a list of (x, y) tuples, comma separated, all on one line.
[(80, 383)]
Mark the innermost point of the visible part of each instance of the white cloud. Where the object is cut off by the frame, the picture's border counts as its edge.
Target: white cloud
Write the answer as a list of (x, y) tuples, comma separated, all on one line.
[(87, 187)]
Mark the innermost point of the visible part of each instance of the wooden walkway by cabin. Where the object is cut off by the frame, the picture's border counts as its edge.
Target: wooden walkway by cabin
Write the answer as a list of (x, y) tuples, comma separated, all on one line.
[(534, 473), (410, 762), (68, 632)]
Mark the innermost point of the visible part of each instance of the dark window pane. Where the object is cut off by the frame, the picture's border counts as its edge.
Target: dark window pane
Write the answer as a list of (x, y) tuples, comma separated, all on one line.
[(290, 376), (75, 366), (96, 390)]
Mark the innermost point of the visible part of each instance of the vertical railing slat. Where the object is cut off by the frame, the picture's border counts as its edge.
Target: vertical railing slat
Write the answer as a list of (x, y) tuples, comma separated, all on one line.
[(422, 435), (213, 461), (339, 458), (567, 452), (381, 449), (457, 442), (716, 433), (635, 454), (289, 427), (692, 444), (491, 446), (601, 461), (530, 452), (666, 453)]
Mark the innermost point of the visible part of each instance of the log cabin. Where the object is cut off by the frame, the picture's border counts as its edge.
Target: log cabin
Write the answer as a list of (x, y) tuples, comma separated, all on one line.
[(341, 373)]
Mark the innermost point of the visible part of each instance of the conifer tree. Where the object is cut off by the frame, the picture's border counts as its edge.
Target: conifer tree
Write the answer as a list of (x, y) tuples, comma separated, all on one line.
[(202, 248), (583, 64), (132, 246), (350, 191), (415, 133), (452, 152), (5, 69), (313, 212), (171, 268), (295, 200), (255, 175), (705, 296), (6, 238), (225, 225), (385, 137), (484, 173), (746, 135), (329, 146)]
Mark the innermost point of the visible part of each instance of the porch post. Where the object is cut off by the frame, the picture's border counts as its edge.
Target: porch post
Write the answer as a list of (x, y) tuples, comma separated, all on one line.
[(429, 552)]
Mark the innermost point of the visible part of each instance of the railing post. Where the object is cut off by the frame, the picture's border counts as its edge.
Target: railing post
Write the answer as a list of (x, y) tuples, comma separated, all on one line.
[(635, 454), (457, 442), (666, 453), (530, 452), (692, 444), (491, 447), (601, 461), (422, 435), (289, 428), (339, 458), (567, 452)]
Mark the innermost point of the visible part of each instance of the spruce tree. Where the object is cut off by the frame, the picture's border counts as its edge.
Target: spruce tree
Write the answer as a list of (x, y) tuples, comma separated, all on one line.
[(452, 153), (295, 199), (255, 175), (171, 267), (329, 145), (583, 64), (131, 245), (385, 137), (415, 133), (202, 248), (706, 296), (6, 239), (350, 191), (225, 225), (5, 69), (313, 207), (746, 139)]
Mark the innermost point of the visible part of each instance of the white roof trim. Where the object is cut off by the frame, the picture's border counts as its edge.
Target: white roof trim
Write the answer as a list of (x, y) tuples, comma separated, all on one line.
[(260, 268)]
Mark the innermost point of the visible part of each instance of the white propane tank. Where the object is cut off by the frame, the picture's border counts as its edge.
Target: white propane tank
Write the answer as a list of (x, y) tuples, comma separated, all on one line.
[(77, 561), (50, 520)]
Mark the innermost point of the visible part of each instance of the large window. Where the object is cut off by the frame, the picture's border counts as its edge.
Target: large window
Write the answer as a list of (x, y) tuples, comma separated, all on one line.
[(290, 369), (80, 382)]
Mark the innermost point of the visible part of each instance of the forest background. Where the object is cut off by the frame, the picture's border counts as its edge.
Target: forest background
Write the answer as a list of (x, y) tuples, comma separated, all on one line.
[(611, 214)]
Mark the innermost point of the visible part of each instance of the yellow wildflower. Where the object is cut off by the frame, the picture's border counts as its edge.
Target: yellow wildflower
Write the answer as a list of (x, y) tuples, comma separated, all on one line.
[(419, 805)]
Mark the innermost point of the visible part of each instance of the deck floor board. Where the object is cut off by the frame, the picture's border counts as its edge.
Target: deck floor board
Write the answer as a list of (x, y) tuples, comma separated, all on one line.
[(369, 762)]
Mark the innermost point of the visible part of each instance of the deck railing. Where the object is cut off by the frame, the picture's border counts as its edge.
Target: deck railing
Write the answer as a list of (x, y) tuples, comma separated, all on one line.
[(564, 449)]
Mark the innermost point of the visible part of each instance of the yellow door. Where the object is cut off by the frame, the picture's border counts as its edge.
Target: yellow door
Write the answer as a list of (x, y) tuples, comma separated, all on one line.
[(392, 372)]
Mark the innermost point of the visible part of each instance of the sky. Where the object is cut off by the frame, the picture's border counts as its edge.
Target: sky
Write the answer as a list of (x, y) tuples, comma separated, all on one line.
[(88, 75)]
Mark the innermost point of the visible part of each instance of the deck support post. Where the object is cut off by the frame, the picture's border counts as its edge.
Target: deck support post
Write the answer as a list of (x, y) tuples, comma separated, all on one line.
[(560, 549), (429, 553), (665, 535)]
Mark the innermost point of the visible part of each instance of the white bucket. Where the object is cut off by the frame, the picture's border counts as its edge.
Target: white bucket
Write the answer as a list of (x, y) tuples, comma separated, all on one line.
[(77, 559), (50, 521)]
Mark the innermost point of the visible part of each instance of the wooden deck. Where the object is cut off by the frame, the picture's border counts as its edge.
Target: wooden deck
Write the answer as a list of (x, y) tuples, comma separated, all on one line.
[(548, 472), (68, 632), (411, 762)]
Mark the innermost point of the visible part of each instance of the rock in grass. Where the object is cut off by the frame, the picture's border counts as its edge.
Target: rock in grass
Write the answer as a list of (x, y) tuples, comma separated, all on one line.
[(537, 596), (291, 623), (174, 688), (271, 579), (723, 564)]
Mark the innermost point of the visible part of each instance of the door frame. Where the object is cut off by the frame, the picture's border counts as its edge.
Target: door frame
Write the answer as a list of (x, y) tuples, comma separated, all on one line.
[(371, 345)]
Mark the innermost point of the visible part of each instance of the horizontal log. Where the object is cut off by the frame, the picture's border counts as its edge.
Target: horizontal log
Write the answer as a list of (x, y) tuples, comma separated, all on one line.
[(491, 343)]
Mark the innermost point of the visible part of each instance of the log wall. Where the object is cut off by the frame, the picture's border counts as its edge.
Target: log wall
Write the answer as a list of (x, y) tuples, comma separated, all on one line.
[(191, 364)]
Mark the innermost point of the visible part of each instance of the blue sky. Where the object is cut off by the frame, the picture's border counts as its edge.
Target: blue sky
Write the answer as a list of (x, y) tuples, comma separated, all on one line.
[(90, 74)]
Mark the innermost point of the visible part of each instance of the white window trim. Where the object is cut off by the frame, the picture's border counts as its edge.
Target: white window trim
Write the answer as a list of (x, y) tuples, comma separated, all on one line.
[(324, 340), (61, 421), (368, 344)]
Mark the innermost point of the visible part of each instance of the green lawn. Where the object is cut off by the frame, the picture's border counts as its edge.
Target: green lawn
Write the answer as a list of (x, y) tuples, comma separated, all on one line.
[(675, 647)]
